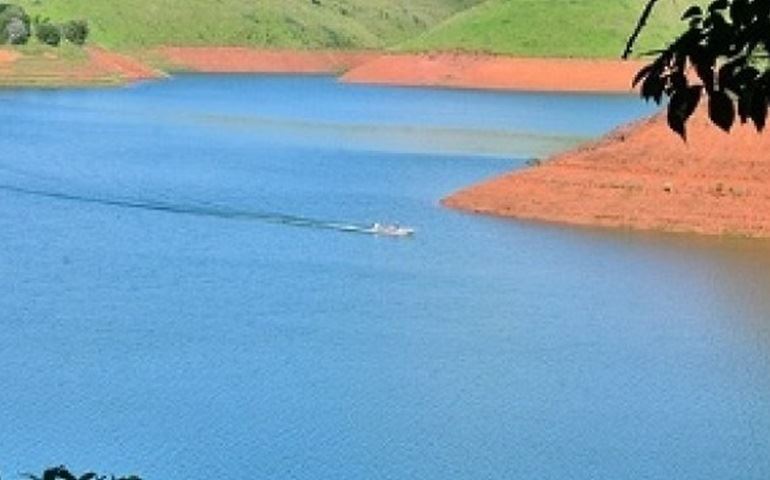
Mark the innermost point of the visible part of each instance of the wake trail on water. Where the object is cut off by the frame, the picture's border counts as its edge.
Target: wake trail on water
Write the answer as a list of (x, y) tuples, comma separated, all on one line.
[(208, 210)]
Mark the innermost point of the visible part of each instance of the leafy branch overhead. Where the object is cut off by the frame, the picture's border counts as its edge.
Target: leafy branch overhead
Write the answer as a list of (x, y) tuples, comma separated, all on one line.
[(62, 473), (721, 58)]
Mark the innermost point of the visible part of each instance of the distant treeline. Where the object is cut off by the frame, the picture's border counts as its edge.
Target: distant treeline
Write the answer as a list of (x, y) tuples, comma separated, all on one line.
[(17, 27)]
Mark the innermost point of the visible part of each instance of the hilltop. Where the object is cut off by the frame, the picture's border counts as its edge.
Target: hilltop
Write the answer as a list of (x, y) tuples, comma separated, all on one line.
[(331, 36), (306, 24), (551, 28)]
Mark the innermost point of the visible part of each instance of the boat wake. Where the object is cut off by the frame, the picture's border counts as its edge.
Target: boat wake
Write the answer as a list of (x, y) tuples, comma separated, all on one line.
[(216, 211)]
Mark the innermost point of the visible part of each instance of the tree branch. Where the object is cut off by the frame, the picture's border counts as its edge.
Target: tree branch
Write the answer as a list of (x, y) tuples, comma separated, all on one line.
[(639, 27)]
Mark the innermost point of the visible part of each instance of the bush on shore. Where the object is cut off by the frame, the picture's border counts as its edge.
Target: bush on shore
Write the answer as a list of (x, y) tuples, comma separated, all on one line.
[(48, 33), (16, 32), (16, 28), (14, 24), (75, 31)]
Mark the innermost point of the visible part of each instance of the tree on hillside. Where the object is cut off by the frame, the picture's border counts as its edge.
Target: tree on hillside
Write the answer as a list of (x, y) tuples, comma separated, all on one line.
[(14, 24), (75, 31), (725, 45), (48, 33)]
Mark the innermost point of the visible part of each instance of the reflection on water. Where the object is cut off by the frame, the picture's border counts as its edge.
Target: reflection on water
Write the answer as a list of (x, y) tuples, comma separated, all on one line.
[(739, 276), (401, 138), (140, 332)]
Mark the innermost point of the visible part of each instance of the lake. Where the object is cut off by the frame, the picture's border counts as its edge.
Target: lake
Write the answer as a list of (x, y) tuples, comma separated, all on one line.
[(186, 294)]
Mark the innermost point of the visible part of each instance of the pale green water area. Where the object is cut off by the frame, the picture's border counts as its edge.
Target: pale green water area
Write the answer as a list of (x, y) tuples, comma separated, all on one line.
[(186, 293)]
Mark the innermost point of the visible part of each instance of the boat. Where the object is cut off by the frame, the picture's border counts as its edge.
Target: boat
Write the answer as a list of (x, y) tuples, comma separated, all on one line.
[(393, 230)]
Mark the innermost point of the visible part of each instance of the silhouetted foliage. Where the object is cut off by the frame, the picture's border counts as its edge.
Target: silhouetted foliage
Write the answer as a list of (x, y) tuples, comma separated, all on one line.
[(62, 473), (725, 46)]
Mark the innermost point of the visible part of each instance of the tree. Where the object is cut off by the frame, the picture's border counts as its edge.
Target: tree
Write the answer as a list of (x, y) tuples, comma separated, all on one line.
[(725, 46), (75, 31), (16, 32), (48, 33), (14, 24)]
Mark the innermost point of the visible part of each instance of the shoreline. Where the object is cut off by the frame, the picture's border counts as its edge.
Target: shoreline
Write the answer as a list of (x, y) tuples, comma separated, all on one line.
[(496, 72), (639, 177), (449, 70), (71, 68), (250, 60), (642, 177)]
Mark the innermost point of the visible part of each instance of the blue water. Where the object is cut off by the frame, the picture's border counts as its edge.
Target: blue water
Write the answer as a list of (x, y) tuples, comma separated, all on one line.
[(177, 300)]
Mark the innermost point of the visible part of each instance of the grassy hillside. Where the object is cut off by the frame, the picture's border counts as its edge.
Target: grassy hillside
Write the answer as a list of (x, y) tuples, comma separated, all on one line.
[(272, 23), (548, 28)]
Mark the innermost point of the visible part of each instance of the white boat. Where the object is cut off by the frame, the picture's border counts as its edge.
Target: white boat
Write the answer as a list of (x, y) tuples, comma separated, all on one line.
[(394, 230)]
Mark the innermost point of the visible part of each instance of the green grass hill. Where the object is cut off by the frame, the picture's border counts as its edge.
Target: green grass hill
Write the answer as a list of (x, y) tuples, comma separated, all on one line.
[(552, 28), (560, 28), (129, 24)]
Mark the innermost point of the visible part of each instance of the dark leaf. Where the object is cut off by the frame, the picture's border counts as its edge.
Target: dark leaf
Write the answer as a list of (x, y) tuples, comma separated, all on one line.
[(758, 112), (745, 100), (727, 74), (706, 75), (678, 81), (652, 88), (721, 110), (641, 74), (681, 108), (694, 11), (718, 5), (739, 12), (677, 123)]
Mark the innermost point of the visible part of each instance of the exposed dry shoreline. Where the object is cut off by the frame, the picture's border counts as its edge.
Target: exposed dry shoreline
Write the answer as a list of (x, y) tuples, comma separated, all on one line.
[(643, 177), (638, 177), (92, 66), (442, 70), (246, 60), (492, 72)]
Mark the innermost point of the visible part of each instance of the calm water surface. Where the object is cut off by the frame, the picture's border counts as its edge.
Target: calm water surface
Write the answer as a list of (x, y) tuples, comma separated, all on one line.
[(175, 300)]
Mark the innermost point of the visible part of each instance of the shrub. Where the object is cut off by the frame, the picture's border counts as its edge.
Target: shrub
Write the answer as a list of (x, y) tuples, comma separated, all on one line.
[(48, 33), (75, 31), (14, 24), (16, 32), (8, 11)]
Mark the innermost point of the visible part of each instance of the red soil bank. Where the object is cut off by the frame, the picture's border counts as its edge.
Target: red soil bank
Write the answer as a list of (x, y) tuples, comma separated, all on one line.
[(123, 66), (246, 60), (99, 66), (643, 177), (497, 72), (7, 57)]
